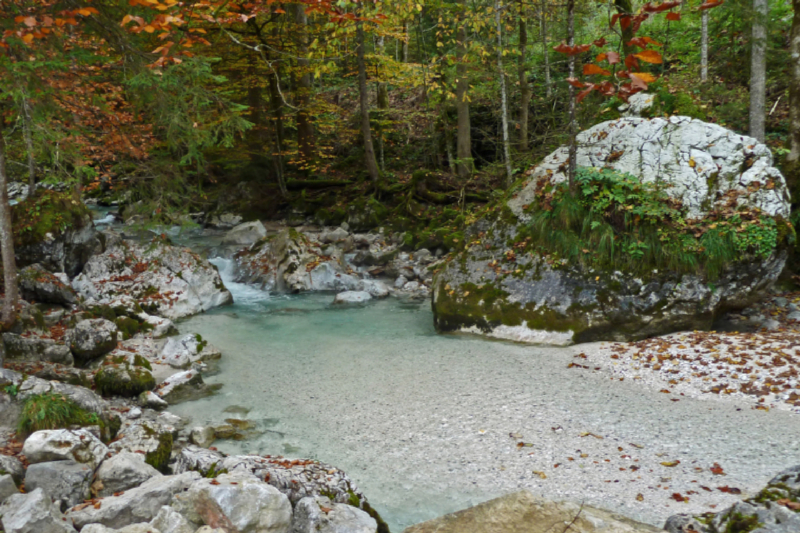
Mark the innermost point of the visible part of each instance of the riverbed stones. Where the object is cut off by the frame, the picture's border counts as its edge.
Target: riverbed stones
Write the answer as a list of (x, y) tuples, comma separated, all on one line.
[(121, 472), (40, 285), (64, 481), (236, 502), (32, 512), (352, 297), (168, 520), (124, 378), (320, 515), (79, 445), (90, 339), (245, 234), (140, 504), (164, 280), (152, 400), (13, 467), (490, 289), (522, 512), (179, 385)]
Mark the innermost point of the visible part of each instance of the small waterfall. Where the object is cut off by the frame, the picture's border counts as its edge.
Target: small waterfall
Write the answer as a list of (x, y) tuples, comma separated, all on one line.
[(243, 294)]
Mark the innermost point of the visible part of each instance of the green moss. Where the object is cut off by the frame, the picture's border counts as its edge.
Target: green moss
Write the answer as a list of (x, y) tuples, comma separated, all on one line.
[(138, 360), (355, 501), (53, 411), (123, 380), (159, 458), (130, 327), (201, 343), (739, 523), (47, 212)]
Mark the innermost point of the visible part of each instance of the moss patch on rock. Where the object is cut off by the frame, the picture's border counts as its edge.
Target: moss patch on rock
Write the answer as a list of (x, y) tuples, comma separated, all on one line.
[(123, 379), (53, 411), (47, 212), (159, 458)]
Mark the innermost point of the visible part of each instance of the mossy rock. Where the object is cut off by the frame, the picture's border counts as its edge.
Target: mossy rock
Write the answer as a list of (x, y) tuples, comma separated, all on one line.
[(53, 411), (159, 458), (47, 212), (123, 379)]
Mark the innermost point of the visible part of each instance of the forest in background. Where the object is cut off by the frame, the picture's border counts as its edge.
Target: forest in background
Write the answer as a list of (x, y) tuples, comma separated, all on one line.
[(415, 113)]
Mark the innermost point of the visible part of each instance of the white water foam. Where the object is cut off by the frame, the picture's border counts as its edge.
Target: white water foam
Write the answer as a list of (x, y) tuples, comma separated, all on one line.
[(243, 294)]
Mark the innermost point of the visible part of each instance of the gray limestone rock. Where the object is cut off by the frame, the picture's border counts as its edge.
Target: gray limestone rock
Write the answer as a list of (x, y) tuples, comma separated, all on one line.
[(320, 515), (7, 487), (64, 444), (121, 472), (168, 520), (181, 352), (39, 285), (32, 512), (93, 338), (67, 481), (34, 348), (245, 234), (13, 467), (137, 505), (352, 297)]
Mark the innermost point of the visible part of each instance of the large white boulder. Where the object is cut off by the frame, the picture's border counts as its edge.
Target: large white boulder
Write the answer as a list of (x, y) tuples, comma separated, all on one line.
[(320, 515), (181, 352), (78, 445), (702, 164), (122, 472), (352, 297), (246, 233)]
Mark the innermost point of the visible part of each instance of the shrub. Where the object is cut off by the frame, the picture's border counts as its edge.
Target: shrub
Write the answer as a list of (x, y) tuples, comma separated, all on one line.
[(53, 411)]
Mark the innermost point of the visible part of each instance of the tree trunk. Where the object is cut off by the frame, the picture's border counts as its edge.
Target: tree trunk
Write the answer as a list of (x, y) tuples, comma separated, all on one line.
[(524, 88), (573, 125), (27, 127), (792, 163), (383, 106), (405, 41), (463, 136), (303, 88), (758, 70), (7, 245), (277, 138), (704, 48), (625, 7), (546, 50), (503, 95), (366, 131)]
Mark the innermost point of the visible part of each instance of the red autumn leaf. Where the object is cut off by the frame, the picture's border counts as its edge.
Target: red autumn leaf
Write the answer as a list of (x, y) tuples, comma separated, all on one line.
[(625, 22), (717, 469), (631, 62), (650, 8), (674, 16), (576, 83), (613, 20), (710, 4), (607, 88), (730, 490), (644, 76), (794, 506), (583, 94), (600, 42), (592, 69), (678, 497), (649, 56), (601, 57), (642, 42), (613, 58)]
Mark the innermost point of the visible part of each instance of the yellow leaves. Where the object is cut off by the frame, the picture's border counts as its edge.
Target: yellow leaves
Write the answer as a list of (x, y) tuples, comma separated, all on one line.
[(649, 56), (644, 76), (87, 11), (540, 474), (27, 38), (692, 163), (589, 434), (670, 464)]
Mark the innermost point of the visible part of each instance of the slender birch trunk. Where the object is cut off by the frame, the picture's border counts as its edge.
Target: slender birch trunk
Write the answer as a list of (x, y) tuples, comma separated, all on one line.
[(758, 70), (7, 245), (503, 94)]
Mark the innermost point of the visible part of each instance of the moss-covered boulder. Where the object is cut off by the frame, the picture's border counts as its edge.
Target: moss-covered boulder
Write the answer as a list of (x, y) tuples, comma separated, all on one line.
[(121, 376), (671, 223), (56, 231), (93, 338), (38, 285)]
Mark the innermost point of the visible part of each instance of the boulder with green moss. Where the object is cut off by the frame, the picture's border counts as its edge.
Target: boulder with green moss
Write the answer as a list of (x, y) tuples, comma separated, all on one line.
[(672, 222), (124, 376), (39, 285), (90, 339), (56, 231)]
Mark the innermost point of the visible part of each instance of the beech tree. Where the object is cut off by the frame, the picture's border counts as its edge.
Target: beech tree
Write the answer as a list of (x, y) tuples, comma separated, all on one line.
[(792, 163), (758, 70)]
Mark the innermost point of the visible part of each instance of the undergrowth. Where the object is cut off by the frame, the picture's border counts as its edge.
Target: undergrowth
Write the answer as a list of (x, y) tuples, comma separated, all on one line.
[(47, 212), (615, 221), (53, 411)]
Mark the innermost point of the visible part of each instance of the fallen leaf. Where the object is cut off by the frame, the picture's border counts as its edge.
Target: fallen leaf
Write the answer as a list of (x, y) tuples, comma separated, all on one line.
[(671, 463), (540, 474), (639, 497), (794, 506), (717, 469), (678, 497)]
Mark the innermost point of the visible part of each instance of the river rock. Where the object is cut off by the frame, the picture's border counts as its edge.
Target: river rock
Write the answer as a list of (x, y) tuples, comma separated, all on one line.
[(225, 220), (121, 472), (33, 348), (203, 436), (93, 338), (179, 384), (236, 502), (168, 520), (320, 515), (529, 297), (375, 288), (522, 512), (64, 444), (7, 487), (128, 378), (32, 513), (352, 297), (337, 235), (67, 481), (245, 234), (140, 504), (152, 400), (193, 458), (83, 397), (293, 262), (37, 284), (166, 280), (181, 352)]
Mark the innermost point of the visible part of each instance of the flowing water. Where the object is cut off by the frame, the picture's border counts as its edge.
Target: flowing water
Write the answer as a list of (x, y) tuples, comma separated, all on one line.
[(427, 424)]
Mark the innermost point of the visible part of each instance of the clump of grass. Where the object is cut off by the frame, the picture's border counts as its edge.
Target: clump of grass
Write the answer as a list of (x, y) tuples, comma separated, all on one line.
[(614, 221), (53, 411)]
